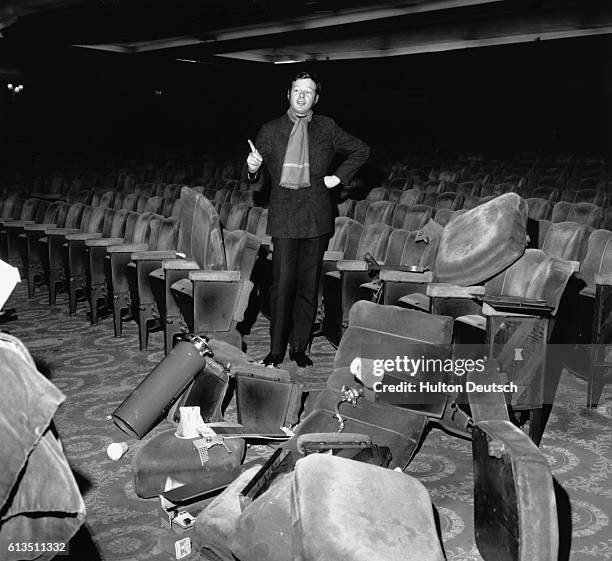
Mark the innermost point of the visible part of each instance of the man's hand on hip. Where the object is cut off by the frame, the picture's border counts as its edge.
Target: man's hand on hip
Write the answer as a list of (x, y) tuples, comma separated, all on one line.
[(331, 181), (254, 159)]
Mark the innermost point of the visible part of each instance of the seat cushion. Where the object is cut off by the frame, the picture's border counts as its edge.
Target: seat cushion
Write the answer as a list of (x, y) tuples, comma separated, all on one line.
[(344, 510)]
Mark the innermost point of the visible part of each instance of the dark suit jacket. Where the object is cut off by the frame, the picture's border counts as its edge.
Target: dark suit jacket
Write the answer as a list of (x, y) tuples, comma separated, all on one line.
[(307, 212)]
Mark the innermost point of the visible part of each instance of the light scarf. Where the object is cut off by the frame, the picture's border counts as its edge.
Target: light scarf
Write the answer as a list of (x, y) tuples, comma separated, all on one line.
[(296, 165)]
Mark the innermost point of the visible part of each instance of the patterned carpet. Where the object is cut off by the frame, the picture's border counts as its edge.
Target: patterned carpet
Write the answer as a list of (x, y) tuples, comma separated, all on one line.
[(96, 371)]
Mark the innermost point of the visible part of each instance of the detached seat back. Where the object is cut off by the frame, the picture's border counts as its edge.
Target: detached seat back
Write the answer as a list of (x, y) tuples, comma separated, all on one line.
[(378, 332)]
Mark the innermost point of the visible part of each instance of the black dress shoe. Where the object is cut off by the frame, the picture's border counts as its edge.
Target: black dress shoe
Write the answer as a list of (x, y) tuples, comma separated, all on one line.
[(272, 360), (300, 357)]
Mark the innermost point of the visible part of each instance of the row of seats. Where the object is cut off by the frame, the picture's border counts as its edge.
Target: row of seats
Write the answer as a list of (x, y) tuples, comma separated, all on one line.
[(408, 262), (185, 270)]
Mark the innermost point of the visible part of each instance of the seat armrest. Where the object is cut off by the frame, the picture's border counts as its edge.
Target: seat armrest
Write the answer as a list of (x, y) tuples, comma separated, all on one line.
[(266, 240), (19, 223), (39, 227), (83, 236), (604, 279), (104, 242), (445, 290), (351, 265), (228, 276), (391, 275), (61, 231), (333, 255), (142, 254), (180, 265), (127, 247)]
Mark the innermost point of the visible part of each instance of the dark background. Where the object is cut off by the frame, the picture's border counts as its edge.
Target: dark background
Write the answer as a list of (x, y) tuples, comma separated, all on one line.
[(552, 96)]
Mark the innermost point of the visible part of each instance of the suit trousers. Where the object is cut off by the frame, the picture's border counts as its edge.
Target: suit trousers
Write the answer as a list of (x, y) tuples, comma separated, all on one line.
[(296, 270)]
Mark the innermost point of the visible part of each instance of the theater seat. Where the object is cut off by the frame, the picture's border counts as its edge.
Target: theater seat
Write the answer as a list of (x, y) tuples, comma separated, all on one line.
[(564, 240), (212, 303), (341, 287), (37, 257), (110, 225)]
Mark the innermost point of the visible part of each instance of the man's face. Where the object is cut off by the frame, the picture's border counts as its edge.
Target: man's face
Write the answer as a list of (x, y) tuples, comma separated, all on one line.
[(302, 95)]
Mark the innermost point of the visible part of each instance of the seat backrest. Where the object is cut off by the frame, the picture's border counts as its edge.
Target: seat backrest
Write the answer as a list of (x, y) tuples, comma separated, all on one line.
[(171, 191), (241, 249), (96, 219), (142, 201), (107, 199), (471, 202), (377, 194), (539, 209), (481, 242), (564, 240), (377, 331), (262, 225), (141, 231), (411, 218), (153, 204), (411, 197), (569, 195), (72, 217), (361, 209), (466, 188), (118, 224), (41, 211), (444, 215), (167, 233), (28, 209), (147, 189), (379, 212), (223, 209), (432, 186), (341, 228), (594, 196), (206, 236), (51, 213), (549, 193), (237, 217), (598, 258), (11, 206), (129, 202), (373, 240), (583, 213), (118, 202), (221, 196), (535, 276), (130, 225), (414, 248), (253, 219), (449, 200), (395, 195), (347, 208)]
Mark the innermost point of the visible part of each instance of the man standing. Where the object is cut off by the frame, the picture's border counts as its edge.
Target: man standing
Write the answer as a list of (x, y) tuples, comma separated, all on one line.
[(297, 150)]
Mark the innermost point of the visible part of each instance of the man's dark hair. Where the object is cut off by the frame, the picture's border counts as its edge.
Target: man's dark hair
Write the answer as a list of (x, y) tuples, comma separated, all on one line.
[(303, 75)]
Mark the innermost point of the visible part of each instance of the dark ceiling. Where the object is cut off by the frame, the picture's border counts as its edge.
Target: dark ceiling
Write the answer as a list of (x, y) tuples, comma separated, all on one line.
[(277, 31)]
